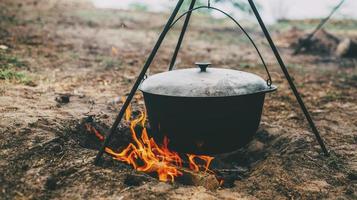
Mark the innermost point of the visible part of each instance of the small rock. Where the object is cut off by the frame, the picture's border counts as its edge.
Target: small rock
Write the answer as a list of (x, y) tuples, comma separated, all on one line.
[(255, 146), (3, 47), (63, 99), (51, 183), (293, 116)]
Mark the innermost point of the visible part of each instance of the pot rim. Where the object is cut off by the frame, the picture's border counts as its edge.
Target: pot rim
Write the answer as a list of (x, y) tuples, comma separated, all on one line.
[(271, 89)]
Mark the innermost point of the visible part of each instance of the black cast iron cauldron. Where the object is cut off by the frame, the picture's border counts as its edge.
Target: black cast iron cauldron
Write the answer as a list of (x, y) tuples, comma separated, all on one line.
[(204, 110)]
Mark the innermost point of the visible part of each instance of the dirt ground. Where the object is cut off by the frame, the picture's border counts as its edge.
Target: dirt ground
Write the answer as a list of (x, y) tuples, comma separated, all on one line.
[(62, 48)]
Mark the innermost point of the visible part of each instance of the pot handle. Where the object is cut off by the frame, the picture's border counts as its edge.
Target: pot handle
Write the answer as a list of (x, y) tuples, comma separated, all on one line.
[(203, 65), (269, 80)]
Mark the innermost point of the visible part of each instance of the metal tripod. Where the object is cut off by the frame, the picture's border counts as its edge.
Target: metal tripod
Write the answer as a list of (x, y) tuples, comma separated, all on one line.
[(152, 55)]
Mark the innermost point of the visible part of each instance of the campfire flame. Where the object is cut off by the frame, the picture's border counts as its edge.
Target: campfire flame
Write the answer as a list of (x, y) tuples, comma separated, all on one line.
[(195, 167), (93, 130), (145, 155)]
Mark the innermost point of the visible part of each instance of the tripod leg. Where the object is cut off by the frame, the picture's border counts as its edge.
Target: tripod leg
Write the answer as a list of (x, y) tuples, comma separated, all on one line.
[(182, 35), (287, 75), (138, 81)]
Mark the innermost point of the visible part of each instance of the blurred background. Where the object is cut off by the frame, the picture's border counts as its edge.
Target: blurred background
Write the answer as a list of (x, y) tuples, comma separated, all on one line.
[(272, 10)]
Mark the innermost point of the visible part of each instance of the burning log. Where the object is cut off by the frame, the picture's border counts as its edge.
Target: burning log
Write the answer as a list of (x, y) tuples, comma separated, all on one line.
[(93, 128), (145, 155), (204, 179)]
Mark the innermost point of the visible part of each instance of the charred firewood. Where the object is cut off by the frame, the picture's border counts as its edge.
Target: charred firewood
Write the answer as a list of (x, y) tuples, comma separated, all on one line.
[(204, 179), (347, 48), (323, 43), (305, 42)]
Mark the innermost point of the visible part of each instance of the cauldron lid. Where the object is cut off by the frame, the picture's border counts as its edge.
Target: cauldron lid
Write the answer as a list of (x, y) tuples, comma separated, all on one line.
[(204, 82)]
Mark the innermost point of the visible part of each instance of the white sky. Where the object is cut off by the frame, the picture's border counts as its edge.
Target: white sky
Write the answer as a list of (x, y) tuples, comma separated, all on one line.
[(272, 9)]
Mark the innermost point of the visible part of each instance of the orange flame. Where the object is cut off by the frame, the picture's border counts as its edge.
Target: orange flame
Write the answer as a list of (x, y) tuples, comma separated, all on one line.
[(145, 155), (92, 129), (196, 167), (154, 158)]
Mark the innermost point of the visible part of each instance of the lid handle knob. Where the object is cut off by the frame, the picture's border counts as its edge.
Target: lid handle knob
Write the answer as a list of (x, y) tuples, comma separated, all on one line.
[(203, 65)]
